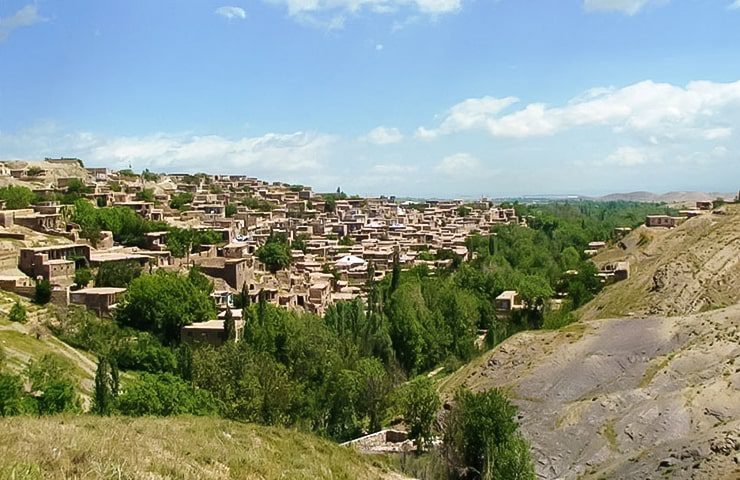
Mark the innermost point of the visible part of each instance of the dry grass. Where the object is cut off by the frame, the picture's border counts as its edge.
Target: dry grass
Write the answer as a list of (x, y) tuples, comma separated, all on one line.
[(697, 260), (179, 448)]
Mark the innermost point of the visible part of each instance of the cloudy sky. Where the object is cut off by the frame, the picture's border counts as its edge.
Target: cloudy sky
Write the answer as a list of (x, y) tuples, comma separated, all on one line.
[(407, 97)]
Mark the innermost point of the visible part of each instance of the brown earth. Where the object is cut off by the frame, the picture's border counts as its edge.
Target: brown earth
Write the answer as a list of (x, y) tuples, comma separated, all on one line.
[(643, 397), (691, 268)]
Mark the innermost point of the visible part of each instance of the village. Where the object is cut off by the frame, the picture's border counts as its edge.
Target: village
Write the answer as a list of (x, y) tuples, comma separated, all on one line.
[(345, 241), (338, 243)]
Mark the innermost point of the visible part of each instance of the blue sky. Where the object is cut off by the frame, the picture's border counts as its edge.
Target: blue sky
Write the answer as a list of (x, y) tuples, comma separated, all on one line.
[(407, 97)]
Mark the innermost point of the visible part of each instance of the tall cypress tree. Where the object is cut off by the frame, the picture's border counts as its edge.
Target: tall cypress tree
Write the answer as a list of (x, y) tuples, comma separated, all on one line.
[(396, 275), (229, 326), (244, 297), (103, 395)]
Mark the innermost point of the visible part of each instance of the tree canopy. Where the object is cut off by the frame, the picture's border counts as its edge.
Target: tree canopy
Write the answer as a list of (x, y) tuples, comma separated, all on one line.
[(163, 303)]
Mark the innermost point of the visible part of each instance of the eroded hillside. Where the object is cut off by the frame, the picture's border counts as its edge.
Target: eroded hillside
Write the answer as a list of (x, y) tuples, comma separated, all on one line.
[(688, 269), (624, 398)]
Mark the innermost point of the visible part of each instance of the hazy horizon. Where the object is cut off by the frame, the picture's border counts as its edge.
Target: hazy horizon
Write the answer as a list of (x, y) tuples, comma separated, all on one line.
[(414, 98)]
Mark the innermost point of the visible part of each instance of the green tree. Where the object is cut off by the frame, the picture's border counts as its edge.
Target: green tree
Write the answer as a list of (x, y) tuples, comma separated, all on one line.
[(103, 395), (396, 273), (51, 381), (83, 276), (17, 313), (180, 200), (230, 210), (145, 195), (242, 300), (42, 294), (163, 303), (149, 176), (117, 274), (463, 211), (300, 242), (229, 326), (16, 197), (374, 385), (480, 438), (419, 405), (275, 253), (163, 395), (11, 394)]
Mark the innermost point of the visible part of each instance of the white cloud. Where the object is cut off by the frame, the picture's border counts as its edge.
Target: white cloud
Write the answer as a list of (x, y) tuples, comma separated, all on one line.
[(629, 7), (659, 111), (383, 136), (379, 47), (627, 157), (231, 13), (734, 5), (25, 17), (332, 14), (458, 165), (272, 155), (393, 169)]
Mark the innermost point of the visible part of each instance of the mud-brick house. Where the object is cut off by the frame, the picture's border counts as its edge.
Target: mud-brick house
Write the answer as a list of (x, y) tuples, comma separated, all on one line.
[(54, 263), (662, 221), (210, 332), (101, 300), (508, 301)]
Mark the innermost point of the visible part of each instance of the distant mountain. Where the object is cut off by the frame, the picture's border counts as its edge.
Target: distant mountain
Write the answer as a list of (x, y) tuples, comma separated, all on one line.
[(670, 197)]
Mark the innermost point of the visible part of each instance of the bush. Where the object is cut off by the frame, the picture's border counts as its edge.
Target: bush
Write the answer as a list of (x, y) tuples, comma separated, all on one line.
[(163, 303), (52, 384), (117, 274), (16, 197), (11, 394), (164, 394), (17, 313), (480, 438), (419, 403), (83, 276), (42, 295)]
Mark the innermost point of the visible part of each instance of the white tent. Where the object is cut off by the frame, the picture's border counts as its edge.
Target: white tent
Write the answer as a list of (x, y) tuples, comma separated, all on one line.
[(350, 261)]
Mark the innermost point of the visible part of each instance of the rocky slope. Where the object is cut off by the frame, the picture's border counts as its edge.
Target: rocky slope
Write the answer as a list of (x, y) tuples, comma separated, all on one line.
[(644, 397), (688, 269)]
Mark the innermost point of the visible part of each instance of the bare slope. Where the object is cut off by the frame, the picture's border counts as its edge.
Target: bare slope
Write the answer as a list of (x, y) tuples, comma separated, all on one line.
[(182, 447), (619, 398), (691, 268)]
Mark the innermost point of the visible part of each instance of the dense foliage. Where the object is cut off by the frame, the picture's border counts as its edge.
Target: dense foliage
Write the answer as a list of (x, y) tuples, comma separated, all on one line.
[(481, 439), (275, 252), (164, 302), (128, 227), (117, 274), (16, 197)]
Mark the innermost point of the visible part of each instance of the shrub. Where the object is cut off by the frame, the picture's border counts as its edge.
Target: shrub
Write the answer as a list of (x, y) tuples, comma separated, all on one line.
[(419, 402), (83, 276), (52, 384), (480, 438), (42, 295), (164, 394), (17, 313), (16, 197)]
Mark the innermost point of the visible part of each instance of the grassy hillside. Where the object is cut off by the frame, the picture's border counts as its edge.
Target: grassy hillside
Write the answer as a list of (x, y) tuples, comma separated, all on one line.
[(182, 447), (694, 267), (23, 343)]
